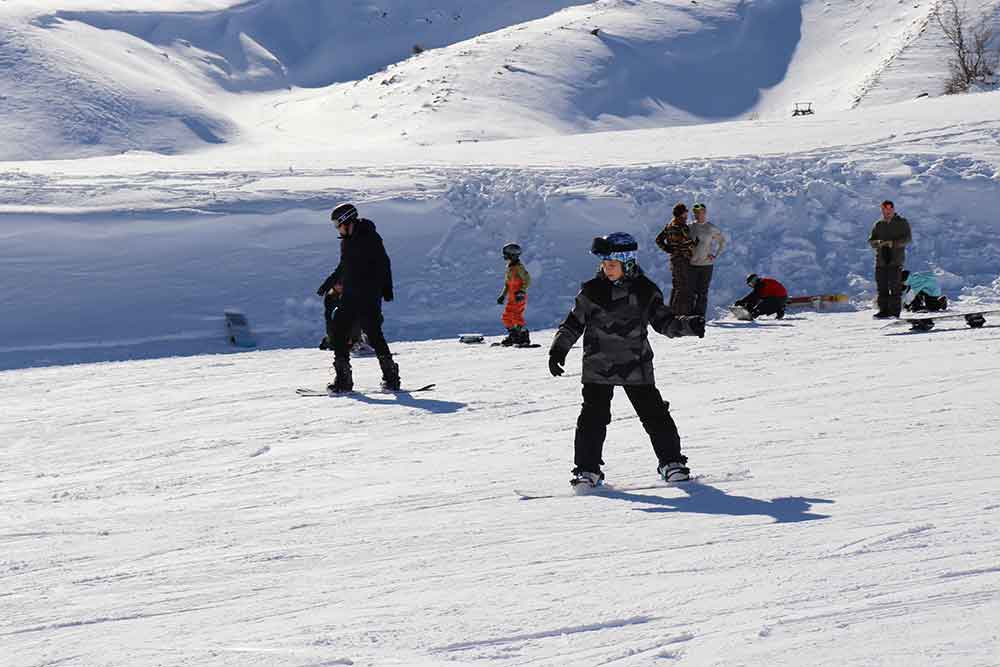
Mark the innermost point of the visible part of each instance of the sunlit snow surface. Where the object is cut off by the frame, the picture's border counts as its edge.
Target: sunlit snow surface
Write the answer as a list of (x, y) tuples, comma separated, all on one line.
[(197, 511)]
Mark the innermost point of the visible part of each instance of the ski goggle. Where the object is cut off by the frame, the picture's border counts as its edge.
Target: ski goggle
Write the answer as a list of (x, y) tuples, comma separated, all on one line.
[(698, 207)]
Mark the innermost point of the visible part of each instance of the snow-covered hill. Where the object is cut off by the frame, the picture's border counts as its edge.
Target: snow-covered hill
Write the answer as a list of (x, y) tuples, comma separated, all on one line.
[(254, 118), (91, 78), (196, 511)]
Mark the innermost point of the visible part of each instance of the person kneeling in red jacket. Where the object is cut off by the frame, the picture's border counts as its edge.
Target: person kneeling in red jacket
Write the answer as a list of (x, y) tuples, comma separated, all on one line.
[(769, 297)]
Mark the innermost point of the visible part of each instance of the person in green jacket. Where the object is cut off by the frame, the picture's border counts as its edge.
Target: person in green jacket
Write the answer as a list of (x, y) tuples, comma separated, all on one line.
[(889, 238)]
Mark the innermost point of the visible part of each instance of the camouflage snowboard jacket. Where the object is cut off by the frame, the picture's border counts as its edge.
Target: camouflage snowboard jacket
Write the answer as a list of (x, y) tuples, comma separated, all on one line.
[(613, 319)]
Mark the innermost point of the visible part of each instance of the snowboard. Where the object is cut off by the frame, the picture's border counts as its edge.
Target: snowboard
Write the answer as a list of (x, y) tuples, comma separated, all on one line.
[(606, 488), (471, 338), (302, 391), (740, 313), (520, 345), (611, 489), (817, 299), (974, 320)]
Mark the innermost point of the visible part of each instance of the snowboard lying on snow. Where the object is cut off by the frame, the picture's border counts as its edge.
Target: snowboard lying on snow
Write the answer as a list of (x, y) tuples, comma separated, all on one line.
[(974, 320)]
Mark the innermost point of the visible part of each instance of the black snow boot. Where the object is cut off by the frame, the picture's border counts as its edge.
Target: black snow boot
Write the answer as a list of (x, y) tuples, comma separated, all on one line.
[(344, 380), (522, 336), (511, 338), (390, 373)]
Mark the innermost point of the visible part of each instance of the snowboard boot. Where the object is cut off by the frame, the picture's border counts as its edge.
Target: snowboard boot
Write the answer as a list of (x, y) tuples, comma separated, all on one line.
[(390, 373), (344, 379), (674, 471), (585, 479), (780, 315), (523, 338), (511, 338)]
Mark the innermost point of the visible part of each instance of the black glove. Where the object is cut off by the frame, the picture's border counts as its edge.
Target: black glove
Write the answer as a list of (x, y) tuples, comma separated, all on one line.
[(500, 299), (556, 362), (322, 290), (697, 325), (324, 344), (886, 254), (520, 296)]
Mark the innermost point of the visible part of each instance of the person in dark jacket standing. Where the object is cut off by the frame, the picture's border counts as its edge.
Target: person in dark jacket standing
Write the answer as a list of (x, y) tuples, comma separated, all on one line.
[(366, 274), (613, 312), (889, 238), (768, 297), (675, 239)]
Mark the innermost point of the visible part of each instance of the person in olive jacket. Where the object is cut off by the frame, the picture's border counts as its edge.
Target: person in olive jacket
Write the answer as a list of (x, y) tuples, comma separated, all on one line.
[(889, 238)]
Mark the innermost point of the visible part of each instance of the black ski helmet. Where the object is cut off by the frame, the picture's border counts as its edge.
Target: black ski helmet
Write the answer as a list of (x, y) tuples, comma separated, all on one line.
[(753, 279), (344, 213), (511, 251), (620, 246)]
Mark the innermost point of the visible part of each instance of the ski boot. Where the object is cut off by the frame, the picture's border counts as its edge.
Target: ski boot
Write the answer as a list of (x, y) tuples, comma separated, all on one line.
[(523, 339), (587, 480), (344, 380), (511, 338), (390, 373), (674, 471)]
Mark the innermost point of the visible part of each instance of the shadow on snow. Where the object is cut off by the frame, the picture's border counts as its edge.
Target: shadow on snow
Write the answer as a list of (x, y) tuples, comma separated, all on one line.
[(706, 499)]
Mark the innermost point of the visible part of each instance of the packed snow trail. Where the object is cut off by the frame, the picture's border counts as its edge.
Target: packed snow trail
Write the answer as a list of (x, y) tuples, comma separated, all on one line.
[(196, 511)]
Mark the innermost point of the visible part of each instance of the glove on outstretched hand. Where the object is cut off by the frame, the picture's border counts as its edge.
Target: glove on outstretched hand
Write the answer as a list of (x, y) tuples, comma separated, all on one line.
[(686, 325), (520, 296), (556, 363), (696, 323), (500, 300), (886, 254)]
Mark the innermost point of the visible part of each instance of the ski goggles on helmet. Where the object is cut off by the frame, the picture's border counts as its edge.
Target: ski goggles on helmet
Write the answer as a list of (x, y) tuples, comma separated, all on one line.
[(699, 207)]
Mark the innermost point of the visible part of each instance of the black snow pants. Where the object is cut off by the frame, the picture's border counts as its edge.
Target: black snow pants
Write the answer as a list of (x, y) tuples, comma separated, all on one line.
[(680, 291), (890, 289), (701, 278), (769, 305), (346, 318), (592, 425)]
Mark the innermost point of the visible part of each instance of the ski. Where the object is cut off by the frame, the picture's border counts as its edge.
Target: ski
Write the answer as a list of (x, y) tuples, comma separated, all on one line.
[(303, 391)]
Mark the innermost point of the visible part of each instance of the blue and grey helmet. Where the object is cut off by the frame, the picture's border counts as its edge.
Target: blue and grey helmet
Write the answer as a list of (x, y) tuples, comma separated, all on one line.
[(620, 246), (511, 251)]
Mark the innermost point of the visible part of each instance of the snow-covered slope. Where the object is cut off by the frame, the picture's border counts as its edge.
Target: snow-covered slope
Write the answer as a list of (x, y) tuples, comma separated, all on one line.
[(196, 511)]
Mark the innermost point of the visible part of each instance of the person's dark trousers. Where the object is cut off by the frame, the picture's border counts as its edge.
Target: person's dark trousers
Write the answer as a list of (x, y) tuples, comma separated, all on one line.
[(701, 278), (890, 289), (370, 319), (680, 293), (769, 305), (592, 425)]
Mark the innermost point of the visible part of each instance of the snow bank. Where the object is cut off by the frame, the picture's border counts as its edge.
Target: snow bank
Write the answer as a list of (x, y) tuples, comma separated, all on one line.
[(108, 287)]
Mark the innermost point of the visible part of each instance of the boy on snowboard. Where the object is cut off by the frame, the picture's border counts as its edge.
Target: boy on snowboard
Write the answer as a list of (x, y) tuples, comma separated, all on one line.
[(515, 292), (613, 312)]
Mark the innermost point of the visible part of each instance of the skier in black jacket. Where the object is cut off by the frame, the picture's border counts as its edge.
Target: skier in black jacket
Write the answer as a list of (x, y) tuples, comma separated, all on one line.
[(366, 273), (613, 313)]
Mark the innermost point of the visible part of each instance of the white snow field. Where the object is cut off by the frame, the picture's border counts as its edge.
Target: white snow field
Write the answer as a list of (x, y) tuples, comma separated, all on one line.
[(196, 511), (167, 501)]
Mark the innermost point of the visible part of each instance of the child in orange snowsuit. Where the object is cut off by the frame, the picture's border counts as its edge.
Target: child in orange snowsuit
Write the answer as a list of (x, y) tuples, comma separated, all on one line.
[(515, 293)]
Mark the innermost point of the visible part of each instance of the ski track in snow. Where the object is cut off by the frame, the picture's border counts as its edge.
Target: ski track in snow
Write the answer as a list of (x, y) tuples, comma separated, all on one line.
[(193, 498)]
